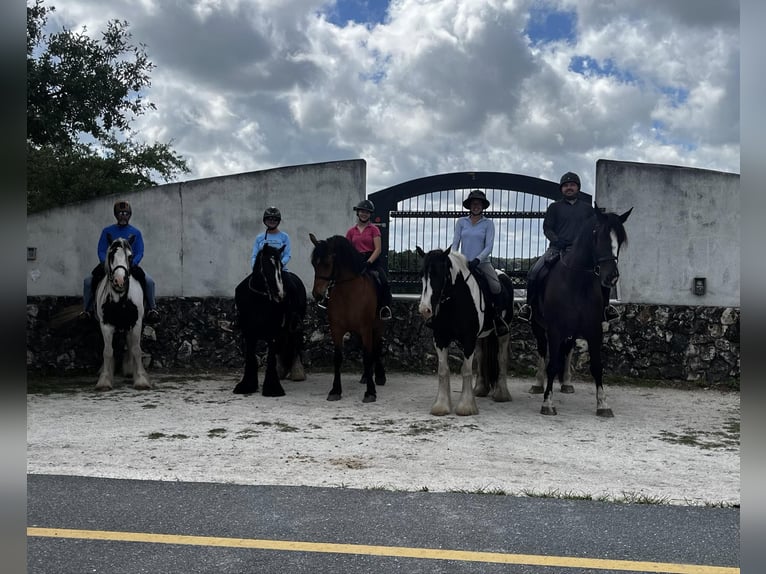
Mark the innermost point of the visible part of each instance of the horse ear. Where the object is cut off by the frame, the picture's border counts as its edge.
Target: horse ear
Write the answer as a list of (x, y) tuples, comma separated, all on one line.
[(447, 251), (131, 238), (419, 251), (313, 239), (624, 216)]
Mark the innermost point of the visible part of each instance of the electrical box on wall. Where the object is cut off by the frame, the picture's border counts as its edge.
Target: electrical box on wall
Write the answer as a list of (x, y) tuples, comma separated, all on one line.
[(700, 286), (31, 253)]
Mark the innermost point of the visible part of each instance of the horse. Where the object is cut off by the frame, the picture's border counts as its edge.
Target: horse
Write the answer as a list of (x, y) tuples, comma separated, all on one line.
[(271, 306), (454, 301), (120, 309), (351, 301), (570, 302)]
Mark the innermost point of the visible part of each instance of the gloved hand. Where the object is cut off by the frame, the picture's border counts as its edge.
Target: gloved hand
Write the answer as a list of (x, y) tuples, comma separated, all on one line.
[(473, 264), (560, 244)]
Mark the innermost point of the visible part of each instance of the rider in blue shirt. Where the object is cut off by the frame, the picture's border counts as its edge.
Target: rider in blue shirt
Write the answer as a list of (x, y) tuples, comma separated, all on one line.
[(123, 229), (475, 235), (273, 236)]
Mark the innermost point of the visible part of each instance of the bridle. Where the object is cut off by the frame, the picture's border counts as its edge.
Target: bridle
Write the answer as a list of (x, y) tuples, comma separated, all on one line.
[(112, 270), (255, 289), (596, 269)]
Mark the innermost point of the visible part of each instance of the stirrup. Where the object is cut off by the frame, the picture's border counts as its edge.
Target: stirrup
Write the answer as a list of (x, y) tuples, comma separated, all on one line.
[(385, 313), (322, 304), (611, 314), (525, 313)]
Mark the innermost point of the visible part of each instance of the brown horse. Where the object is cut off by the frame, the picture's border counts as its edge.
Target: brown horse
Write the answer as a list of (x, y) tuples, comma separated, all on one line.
[(351, 300)]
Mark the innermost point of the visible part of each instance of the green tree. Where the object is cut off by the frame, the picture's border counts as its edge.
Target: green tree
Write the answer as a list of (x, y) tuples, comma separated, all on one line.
[(82, 96)]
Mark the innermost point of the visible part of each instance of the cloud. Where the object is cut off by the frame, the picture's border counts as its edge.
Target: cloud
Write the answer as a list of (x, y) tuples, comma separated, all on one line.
[(424, 86)]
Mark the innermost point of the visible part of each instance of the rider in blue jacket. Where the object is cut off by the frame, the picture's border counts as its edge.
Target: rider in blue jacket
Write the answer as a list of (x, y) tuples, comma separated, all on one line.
[(123, 229)]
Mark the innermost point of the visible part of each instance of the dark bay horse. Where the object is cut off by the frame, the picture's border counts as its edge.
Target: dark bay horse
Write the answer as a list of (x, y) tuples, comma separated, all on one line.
[(271, 306), (570, 303), (119, 307), (351, 297), (456, 305)]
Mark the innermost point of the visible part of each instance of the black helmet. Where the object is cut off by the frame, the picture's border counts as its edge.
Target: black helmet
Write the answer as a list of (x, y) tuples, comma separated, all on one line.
[(570, 177), (272, 212), (476, 194), (366, 205), (122, 205)]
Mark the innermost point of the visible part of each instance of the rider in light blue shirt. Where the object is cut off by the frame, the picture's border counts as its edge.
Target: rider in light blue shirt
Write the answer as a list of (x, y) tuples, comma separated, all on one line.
[(475, 235), (273, 236)]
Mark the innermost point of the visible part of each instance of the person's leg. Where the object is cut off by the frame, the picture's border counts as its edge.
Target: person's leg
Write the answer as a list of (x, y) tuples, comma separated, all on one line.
[(496, 297), (525, 313), (383, 290)]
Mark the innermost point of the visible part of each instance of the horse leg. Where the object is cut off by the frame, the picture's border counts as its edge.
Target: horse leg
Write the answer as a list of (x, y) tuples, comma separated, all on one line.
[(542, 354), (566, 378), (552, 369), (297, 372), (466, 406), (481, 388), (380, 369), (140, 379), (597, 370), (336, 390), (443, 403), (370, 395), (106, 374), (501, 393), (249, 382), (271, 385)]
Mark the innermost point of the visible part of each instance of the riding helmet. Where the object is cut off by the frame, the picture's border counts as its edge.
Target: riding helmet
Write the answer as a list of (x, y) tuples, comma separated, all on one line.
[(570, 177), (122, 205), (366, 205), (476, 194), (272, 212)]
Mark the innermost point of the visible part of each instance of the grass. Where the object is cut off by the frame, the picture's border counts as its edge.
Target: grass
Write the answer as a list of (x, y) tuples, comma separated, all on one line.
[(725, 439)]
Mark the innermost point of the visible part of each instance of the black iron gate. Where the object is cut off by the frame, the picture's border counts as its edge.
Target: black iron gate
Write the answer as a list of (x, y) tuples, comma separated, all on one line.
[(422, 212)]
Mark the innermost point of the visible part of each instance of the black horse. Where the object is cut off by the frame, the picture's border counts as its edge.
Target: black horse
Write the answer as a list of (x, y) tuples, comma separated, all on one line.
[(271, 306), (570, 303), (456, 305)]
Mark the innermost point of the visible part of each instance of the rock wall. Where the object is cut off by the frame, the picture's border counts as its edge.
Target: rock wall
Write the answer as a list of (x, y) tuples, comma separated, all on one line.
[(655, 342)]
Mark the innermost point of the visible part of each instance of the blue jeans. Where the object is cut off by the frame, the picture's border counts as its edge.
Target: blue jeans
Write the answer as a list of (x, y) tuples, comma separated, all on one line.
[(87, 293)]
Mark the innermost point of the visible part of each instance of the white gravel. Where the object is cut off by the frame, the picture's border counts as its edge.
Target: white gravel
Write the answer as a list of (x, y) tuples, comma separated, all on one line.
[(676, 446)]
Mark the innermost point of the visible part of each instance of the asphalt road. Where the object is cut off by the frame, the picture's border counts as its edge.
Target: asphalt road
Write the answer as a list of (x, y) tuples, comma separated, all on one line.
[(83, 525)]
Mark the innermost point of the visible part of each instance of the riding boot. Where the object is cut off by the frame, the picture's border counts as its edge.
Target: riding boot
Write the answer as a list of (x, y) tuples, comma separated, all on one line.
[(525, 312)]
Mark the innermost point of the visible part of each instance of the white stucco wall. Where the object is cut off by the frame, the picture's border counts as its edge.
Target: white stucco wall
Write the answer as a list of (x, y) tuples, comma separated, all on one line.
[(685, 224), (199, 234)]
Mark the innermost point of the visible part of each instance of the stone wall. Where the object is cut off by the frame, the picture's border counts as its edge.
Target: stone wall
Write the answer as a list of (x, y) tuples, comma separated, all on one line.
[(655, 342)]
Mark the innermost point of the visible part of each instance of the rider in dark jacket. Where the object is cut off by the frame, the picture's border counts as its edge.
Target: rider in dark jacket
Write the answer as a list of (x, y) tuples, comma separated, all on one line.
[(563, 220)]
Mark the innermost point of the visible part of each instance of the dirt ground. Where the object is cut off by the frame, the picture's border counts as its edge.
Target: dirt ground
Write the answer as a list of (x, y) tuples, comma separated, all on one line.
[(663, 445)]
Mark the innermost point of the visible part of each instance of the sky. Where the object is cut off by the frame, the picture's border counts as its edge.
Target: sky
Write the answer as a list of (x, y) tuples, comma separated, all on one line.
[(422, 87)]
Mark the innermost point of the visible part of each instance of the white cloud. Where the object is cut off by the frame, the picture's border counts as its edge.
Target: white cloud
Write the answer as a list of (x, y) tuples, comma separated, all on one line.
[(441, 86)]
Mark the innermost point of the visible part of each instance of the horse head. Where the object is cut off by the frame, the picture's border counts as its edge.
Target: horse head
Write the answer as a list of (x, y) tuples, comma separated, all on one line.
[(119, 258), (334, 259), (266, 278), (436, 275), (608, 236)]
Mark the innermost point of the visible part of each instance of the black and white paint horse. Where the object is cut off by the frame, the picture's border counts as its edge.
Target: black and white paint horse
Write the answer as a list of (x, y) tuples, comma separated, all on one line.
[(271, 306), (454, 302), (120, 309), (570, 304)]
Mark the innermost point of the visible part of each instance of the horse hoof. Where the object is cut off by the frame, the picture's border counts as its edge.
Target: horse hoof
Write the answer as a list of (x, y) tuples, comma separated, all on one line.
[(536, 389), (567, 389), (273, 392), (245, 389), (369, 398), (380, 381), (103, 388), (548, 411), (333, 397), (606, 413)]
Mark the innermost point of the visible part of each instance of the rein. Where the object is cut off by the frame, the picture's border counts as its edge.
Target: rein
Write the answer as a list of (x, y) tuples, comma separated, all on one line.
[(596, 269)]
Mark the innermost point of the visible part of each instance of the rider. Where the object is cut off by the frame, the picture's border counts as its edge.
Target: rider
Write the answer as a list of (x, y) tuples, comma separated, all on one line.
[(122, 212), (273, 236), (475, 234), (365, 237), (562, 223)]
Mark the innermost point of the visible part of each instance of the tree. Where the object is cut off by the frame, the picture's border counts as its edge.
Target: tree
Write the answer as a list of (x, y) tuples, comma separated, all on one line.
[(82, 96)]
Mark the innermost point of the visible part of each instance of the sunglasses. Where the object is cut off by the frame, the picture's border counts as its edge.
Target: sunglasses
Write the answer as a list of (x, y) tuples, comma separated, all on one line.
[(271, 219), (123, 213)]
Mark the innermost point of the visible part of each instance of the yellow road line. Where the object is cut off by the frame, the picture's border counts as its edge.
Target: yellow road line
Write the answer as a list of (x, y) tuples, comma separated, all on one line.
[(393, 551)]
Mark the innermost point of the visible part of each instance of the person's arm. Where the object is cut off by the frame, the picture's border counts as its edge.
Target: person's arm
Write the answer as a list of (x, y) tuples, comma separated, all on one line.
[(102, 246), (456, 236), (549, 223), (375, 252), (286, 253), (489, 241), (138, 247)]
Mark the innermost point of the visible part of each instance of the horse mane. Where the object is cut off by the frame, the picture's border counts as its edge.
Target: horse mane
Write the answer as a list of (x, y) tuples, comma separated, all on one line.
[(610, 220), (346, 256)]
